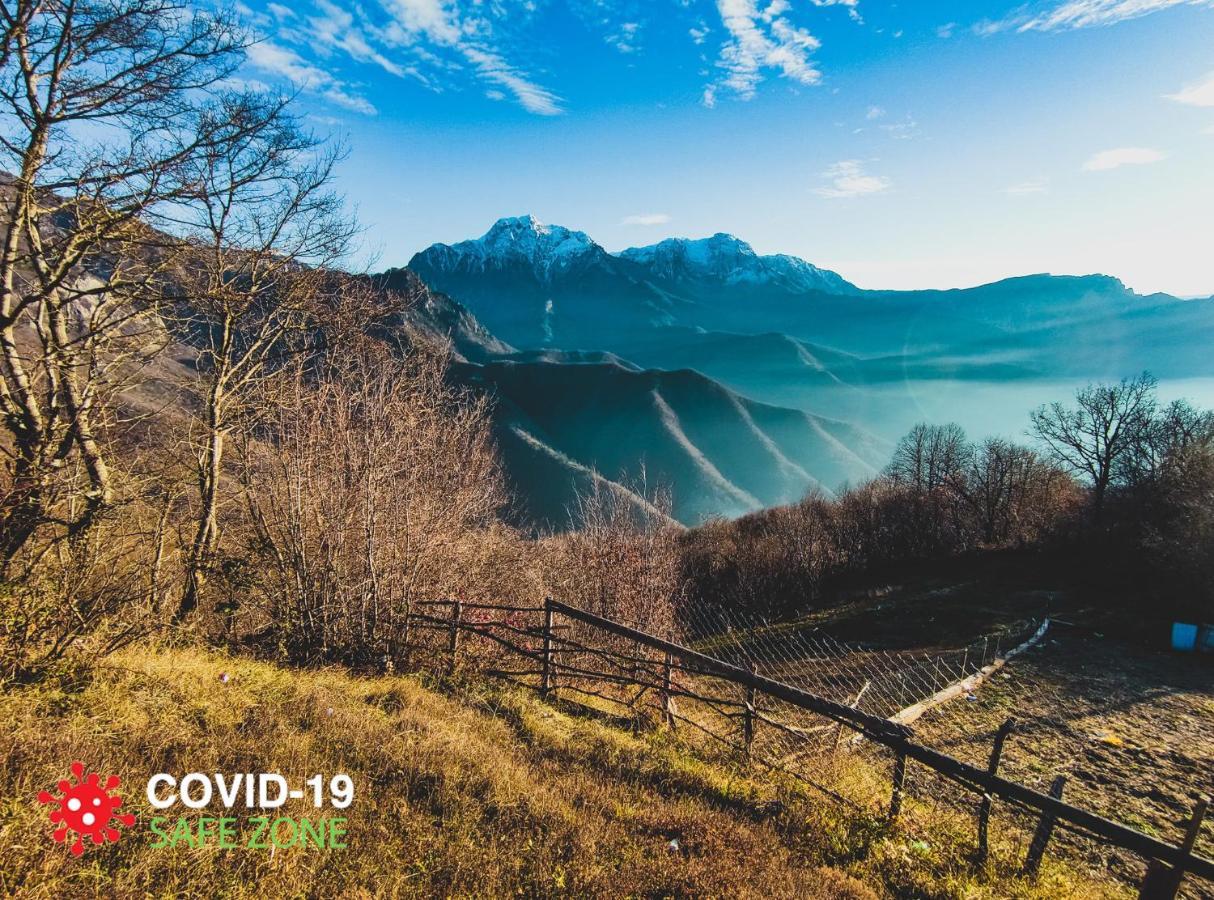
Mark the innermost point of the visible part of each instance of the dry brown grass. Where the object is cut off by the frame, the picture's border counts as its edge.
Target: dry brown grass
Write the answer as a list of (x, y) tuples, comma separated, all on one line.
[(477, 793)]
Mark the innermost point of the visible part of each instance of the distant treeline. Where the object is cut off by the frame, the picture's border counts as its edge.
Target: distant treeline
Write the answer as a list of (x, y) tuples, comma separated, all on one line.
[(1117, 482)]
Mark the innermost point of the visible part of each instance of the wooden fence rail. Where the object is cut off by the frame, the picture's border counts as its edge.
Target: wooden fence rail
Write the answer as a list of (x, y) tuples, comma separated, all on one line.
[(1168, 862)]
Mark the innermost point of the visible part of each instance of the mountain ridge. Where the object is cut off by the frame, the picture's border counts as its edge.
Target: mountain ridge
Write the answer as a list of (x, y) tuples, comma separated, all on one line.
[(536, 285), (734, 262)]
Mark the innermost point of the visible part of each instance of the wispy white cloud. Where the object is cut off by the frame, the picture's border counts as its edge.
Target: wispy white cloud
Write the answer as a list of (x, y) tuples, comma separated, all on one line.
[(847, 178), (621, 22), (335, 28), (874, 112), (1123, 156), (530, 95), (1026, 188), (436, 42), (944, 32), (1069, 14), (286, 63), (436, 20), (761, 39), (1199, 93), (646, 219), (440, 23)]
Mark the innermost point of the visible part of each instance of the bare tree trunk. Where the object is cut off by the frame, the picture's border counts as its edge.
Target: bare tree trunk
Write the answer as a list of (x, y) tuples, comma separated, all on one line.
[(78, 403), (206, 536)]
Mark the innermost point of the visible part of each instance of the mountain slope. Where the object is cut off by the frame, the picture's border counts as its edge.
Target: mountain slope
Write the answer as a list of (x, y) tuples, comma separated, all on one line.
[(438, 316), (780, 330), (719, 453), (546, 285), (477, 791)]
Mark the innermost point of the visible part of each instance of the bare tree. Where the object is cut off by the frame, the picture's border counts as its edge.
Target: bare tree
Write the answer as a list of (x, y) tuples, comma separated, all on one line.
[(929, 457), (1171, 431), (1103, 430), (263, 227), (622, 560), (106, 111), (1012, 493)]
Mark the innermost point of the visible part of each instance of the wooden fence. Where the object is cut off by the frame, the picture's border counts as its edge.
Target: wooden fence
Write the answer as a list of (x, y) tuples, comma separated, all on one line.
[(629, 675)]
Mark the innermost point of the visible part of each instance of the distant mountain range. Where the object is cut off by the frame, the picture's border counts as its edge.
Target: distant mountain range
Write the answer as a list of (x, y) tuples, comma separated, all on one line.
[(743, 380), (538, 285)]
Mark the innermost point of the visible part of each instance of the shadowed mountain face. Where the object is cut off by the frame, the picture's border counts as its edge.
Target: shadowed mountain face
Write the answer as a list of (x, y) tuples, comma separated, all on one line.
[(718, 452), (567, 419), (536, 285)]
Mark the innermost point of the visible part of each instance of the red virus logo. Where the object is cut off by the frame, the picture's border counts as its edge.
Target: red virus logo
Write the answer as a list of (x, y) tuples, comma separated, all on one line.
[(86, 808)]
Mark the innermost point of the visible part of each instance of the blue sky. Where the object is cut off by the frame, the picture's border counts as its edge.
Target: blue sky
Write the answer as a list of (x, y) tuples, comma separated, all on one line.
[(911, 144)]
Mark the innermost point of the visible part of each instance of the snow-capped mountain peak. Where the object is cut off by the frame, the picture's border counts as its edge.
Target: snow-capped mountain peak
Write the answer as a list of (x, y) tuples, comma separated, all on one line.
[(528, 237), (512, 243), (716, 255), (729, 260)]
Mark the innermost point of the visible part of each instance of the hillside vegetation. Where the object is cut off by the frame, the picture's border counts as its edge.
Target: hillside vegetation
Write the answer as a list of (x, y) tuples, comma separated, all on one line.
[(475, 792)]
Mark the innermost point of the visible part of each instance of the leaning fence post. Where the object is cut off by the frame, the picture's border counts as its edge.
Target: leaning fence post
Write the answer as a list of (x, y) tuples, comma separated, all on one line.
[(546, 673), (1045, 828), (667, 699), (992, 768), (895, 799), (1162, 882), (748, 713), (457, 610)]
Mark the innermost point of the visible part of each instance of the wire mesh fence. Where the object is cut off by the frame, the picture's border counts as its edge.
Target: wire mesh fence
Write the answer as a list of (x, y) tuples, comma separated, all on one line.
[(692, 677)]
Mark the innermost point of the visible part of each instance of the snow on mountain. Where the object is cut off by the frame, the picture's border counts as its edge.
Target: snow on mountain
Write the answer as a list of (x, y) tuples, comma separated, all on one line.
[(728, 260), (514, 241), (550, 251)]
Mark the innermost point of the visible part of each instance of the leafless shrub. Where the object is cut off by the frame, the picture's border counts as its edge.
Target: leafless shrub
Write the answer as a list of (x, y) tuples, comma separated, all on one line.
[(86, 597), (366, 489), (622, 560)]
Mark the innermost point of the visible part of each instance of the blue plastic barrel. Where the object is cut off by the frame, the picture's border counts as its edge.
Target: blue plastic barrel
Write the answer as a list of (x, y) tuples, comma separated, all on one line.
[(1184, 636)]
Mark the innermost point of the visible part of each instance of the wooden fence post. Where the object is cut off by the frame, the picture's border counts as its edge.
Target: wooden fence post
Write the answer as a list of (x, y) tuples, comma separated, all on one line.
[(748, 713), (546, 673), (1163, 882), (404, 639), (667, 699), (895, 799), (1045, 828), (457, 612), (984, 809)]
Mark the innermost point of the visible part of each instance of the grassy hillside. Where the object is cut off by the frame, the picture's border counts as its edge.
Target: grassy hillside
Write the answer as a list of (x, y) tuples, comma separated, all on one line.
[(474, 792)]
